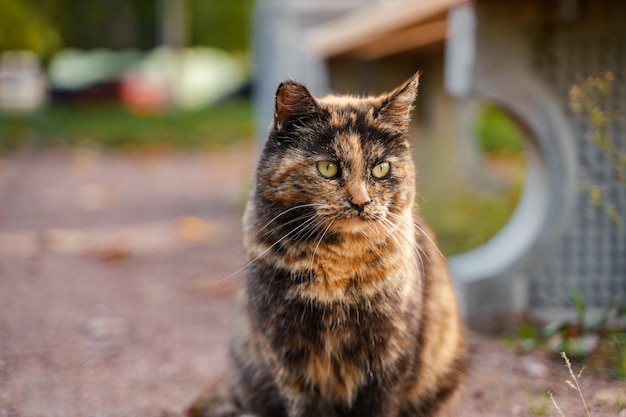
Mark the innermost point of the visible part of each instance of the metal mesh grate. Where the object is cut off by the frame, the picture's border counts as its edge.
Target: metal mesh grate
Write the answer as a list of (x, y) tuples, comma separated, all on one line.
[(592, 255)]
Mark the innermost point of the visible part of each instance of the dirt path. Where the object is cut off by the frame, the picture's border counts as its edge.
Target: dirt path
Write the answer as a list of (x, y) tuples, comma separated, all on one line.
[(116, 294)]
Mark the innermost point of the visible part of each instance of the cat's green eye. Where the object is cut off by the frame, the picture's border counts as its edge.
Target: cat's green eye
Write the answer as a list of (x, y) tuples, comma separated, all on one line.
[(328, 169), (381, 170)]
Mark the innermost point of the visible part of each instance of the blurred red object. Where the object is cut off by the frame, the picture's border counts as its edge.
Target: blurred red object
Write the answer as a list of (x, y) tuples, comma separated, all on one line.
[(145, 92)]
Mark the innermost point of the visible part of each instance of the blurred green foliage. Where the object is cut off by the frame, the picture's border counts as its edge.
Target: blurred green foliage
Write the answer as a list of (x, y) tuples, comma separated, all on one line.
[(26, 25), (44, 26), (111, 126), (104, 23), (223, 24), (496, 132)]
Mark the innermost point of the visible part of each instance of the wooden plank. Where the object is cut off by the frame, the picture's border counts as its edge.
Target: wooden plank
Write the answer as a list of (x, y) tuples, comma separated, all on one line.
[(365, 25), (404, 40)]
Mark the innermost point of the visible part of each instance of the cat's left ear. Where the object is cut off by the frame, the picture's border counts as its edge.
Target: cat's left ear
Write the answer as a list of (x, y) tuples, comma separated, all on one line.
[(395, 109), (294, 105)]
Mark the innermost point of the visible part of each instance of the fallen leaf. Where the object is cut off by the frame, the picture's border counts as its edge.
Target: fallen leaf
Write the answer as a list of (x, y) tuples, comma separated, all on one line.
[(193, 229), (113, 253)]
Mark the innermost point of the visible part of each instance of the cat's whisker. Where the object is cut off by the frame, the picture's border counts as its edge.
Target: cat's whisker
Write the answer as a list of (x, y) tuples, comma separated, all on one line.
[(298, 235), (322, 235), (299, 229), (289, 210), (250, 262), (316, 227), (311, 223), (370, 229), (297, 219), (419, 229), (391, 230), (395, 229)]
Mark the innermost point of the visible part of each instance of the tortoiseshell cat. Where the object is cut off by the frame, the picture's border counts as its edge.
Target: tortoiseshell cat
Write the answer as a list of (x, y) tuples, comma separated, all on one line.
[(348, 308)]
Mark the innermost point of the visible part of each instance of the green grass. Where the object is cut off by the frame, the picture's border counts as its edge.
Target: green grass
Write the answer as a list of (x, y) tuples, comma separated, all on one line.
[(111, 126), (464, 219), (496, 132)]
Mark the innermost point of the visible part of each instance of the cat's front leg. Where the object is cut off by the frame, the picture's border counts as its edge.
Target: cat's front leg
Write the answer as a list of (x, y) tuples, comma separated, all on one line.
[(377, 400), (310, 408), (300, 402)]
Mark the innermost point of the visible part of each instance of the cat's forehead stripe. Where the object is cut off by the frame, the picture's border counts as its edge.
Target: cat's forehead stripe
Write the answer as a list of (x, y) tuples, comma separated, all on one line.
[(336, 120), (341, 117), (349, 147)]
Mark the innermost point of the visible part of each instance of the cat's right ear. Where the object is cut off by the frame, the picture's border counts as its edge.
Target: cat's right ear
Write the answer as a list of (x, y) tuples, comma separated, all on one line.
[(294, 105)]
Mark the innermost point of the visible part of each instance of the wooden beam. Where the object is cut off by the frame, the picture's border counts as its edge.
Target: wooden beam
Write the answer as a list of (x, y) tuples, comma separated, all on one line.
[(404, 40), (365, 25)]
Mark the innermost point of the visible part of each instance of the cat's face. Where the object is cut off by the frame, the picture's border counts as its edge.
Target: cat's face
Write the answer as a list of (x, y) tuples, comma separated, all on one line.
[(342, 164)]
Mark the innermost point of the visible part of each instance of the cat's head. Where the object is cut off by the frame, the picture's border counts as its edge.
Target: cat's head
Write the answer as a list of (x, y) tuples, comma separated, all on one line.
[(344, 160)]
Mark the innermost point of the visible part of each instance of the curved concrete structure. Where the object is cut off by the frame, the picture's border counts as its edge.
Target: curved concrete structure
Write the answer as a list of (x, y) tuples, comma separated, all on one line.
[(483, 61)]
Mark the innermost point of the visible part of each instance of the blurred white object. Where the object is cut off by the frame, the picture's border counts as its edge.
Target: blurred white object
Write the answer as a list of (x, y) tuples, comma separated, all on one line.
[(75, 69), (192, 78), (206, 76), (23, 84)]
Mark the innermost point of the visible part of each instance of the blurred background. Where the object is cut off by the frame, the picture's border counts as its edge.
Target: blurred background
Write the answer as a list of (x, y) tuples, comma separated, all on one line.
[(129, 132), (178, 75), (146, 66)]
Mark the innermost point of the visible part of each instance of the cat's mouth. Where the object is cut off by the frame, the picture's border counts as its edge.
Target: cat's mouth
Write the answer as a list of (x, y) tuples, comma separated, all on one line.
[(355, 224), (348, 221)]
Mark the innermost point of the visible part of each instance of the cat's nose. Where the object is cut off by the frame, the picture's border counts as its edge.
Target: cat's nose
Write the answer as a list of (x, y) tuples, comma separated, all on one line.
[(358, 195), (360, 205)]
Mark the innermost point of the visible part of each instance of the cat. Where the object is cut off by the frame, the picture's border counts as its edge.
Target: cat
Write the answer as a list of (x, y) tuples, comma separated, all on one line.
[(348, 308)]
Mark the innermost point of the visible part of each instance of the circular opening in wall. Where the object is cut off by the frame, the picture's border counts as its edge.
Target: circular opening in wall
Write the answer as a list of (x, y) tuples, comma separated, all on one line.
[(470, 184)]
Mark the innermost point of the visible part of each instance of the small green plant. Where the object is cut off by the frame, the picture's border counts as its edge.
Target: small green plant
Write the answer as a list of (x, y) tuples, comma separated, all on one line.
[(580, 337), (538, 406), (528, 336), (613, 351)]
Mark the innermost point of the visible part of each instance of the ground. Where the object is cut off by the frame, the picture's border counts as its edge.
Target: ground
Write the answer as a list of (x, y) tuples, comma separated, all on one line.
[(118, 275)]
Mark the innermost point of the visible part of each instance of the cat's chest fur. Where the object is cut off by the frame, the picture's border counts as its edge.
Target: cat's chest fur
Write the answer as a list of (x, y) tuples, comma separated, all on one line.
[(353, 347), (345, 268), (340, 318)]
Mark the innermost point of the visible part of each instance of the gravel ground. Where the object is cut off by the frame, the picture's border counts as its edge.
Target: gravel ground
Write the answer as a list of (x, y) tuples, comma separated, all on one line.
[(118, 276)]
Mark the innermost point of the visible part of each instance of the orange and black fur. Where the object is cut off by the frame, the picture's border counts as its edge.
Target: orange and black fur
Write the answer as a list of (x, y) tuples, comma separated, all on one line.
[(348, 308)]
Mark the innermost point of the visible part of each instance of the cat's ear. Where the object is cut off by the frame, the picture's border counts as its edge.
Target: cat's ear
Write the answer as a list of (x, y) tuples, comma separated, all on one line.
[(294, 104), (395, 109)]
